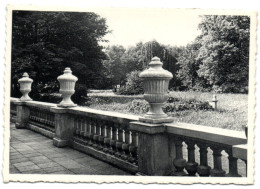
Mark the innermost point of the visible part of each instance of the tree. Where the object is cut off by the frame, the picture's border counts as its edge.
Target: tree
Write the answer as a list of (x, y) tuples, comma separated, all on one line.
[(44, 43), (224, 52), (133, 86), (115, 69), (152, 49)]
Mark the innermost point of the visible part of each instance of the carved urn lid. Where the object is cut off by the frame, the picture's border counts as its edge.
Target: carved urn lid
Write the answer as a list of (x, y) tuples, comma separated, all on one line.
[(67, 76), (25, 78), (155, 70)]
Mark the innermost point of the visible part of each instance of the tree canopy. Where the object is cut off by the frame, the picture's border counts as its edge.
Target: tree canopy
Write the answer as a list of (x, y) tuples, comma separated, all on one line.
[(44, 43), (219, 58)]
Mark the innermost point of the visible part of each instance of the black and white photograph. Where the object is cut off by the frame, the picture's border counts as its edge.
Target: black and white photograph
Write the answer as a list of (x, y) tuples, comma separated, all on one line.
[(132, 95)]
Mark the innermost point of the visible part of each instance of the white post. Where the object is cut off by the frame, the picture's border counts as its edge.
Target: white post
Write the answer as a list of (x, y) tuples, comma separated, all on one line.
[(214, 102)]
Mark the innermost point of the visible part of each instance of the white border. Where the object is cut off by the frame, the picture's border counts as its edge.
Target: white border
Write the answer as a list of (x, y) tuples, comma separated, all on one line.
[(223, 179)]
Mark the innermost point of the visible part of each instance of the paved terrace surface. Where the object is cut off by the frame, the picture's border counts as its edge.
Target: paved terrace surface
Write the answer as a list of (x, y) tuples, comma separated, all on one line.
[(32, 153)]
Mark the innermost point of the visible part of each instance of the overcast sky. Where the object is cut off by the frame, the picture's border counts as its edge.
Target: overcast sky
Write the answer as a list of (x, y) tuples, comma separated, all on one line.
[(165, 26)]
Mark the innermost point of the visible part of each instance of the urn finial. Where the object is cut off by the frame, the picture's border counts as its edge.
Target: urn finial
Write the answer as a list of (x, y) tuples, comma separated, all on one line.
[(156, 82), (67, 88), (25, 87)]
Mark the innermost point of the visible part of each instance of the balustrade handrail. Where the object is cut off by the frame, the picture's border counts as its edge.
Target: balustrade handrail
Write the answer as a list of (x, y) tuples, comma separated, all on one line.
[(120, 118), (205, 133), (12, 99)]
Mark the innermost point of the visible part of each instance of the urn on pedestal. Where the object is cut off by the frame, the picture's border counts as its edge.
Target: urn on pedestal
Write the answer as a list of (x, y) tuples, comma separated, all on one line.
[(25, 87), (67, 88), (156, 82)]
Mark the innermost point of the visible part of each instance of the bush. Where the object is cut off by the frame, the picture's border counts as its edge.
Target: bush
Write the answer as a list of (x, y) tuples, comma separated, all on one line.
[(172, 105), (133, 86), (80, 95), (138, 106)]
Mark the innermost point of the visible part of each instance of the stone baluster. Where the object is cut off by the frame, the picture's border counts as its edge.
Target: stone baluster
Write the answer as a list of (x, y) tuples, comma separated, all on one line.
[(203, 169), (96, 135), (37, 114), (102, 135), (47, 117), (91, 133), (232, 164), (40, 115), (125, 146), (217, 171), (82, 130), (113, 140), (108, 137), (133, 148), (191, 165), (86, 130), (76, 123), (119, 142), (179, 162), (32, 114), (52, 120)]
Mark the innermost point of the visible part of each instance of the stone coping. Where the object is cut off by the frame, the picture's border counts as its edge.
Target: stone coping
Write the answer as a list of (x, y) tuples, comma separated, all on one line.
[(12, 99), (40, 104), (215, 135), (103, 115)]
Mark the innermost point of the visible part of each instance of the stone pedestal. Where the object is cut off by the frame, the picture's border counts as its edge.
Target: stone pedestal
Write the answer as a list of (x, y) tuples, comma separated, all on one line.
[(154, 156), (23, 114), (64, 125)]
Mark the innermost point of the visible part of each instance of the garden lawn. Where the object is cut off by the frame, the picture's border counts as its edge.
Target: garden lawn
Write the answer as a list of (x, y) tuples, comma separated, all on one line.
[(231, 113)]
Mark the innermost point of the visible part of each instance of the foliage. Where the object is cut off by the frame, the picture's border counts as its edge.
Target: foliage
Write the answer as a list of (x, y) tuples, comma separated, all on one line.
[(44, 43), (123, 61), (166, 54), (133, 86), (178, 104), (224, 52), (80, 96), (231, 113)]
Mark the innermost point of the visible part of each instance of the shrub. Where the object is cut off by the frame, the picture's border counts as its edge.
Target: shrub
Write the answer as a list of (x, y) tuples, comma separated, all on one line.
[(80, 95), (133, 86), (173, 105), (138, 106)]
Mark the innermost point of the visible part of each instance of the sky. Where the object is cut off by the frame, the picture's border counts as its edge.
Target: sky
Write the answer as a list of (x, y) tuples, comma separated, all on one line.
[(165, 26)]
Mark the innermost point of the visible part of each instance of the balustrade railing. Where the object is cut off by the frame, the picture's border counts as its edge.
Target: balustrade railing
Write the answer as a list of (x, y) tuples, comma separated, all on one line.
[(199, 151), (13, 109), (219, 141), (106, 135), (41, 119)]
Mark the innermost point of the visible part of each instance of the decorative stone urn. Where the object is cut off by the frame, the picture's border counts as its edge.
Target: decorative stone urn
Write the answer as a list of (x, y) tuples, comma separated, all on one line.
[(67, 88), (156, 82), (25, 87)]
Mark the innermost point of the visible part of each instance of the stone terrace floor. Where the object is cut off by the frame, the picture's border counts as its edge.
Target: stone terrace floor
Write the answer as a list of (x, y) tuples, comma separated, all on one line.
[(32, 153)]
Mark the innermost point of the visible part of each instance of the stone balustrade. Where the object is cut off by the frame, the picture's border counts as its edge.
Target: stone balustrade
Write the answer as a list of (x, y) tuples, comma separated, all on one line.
[(150, 145), (13, 109), (205, 139), (142, 148)]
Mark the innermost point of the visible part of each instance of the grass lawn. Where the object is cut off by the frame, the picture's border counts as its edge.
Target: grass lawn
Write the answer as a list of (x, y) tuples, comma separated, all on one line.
[(231, 113)]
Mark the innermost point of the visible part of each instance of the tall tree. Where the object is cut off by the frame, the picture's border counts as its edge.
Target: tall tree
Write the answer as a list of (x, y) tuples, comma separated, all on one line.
[(44, 43), (224, 52)]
